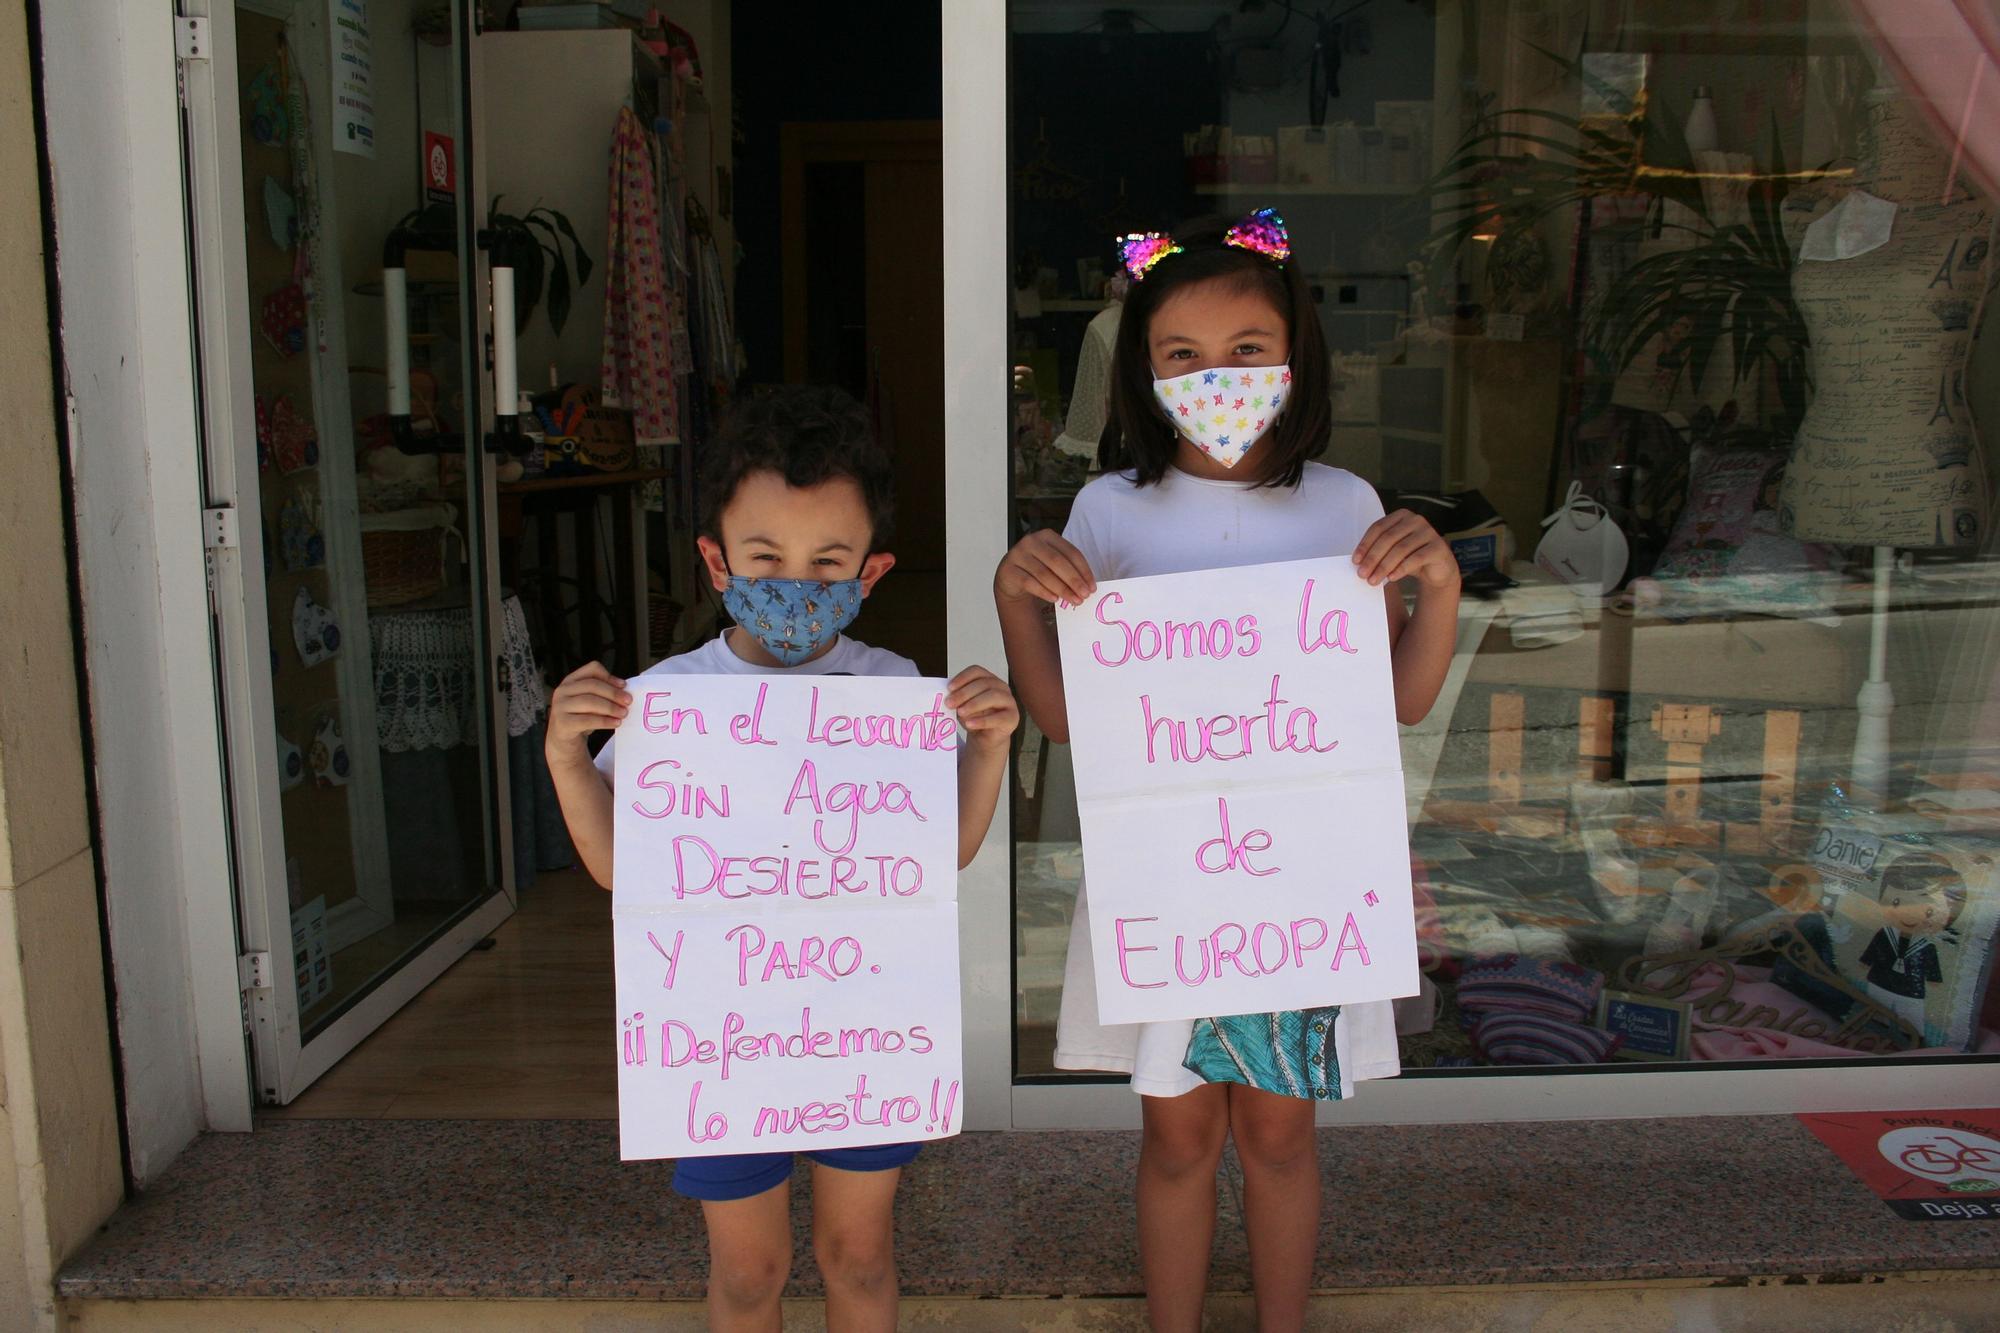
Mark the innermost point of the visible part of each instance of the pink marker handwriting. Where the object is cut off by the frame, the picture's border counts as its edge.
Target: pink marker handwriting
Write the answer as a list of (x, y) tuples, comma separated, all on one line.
[(934, 729), (699, 868), (852, 799), (1227, 736), (673, 955), (1261, 949), (809, 957), (714, 1127), (658, 716), (1228, 852), (1332, 631), (748, 728), (1145, 640), (858, 1107), (681, 1045), (673, 793)]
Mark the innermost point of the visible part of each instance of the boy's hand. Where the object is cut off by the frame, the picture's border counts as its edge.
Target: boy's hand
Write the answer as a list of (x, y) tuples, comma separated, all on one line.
[(986, 709), (589, 699), (1044, 565), (1404, 545)]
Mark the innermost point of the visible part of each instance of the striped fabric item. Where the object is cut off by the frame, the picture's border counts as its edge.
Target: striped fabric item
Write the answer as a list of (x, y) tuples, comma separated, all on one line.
[(1514, 984), (1535, 1039)]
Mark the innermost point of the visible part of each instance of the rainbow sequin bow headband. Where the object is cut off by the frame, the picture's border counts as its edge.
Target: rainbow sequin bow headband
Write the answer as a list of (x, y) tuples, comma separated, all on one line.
[(1262, 232)]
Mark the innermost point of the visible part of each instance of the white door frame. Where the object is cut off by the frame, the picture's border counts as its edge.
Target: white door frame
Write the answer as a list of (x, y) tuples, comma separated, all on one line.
[(285, 1062), (113, 127), (976, 467), (977, 464)]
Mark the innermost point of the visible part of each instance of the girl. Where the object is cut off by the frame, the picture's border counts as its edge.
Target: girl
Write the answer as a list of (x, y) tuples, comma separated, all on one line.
[(1183, 493)]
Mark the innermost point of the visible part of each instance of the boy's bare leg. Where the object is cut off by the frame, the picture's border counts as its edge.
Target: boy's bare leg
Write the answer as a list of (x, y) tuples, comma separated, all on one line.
[(1179, 1150), (749, 1258), (854, 1239), (1280, 1157)]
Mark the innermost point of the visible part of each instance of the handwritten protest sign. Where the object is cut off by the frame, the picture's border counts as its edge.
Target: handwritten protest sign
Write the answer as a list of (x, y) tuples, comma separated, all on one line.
[(785, 915), (1239, 780)]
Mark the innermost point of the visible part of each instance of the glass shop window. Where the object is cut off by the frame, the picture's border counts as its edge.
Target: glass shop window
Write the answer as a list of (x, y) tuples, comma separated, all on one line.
[(1669, 317)]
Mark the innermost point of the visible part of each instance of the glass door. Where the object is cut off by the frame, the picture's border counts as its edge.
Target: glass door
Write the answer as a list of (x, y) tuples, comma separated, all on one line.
[(373, 673)]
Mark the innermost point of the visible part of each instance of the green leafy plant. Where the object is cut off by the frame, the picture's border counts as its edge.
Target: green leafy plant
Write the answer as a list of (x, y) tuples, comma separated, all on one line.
[(1734, 282), (1494, 182), (1731, 281), (532, 244)]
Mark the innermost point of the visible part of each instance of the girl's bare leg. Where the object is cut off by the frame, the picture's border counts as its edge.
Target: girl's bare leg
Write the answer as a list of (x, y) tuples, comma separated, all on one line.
[(1179, 1150), (1281, 1199)]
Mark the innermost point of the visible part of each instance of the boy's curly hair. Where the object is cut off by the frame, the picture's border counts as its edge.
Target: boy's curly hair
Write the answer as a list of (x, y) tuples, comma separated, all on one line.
[(807, 434)]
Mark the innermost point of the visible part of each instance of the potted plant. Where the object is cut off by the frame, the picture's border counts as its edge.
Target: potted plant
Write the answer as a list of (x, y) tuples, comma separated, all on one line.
[(1728, 282), (532, 245)]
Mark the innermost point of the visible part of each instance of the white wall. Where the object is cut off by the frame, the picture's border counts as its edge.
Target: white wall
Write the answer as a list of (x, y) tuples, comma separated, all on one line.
[(122, 266), (548, 144)]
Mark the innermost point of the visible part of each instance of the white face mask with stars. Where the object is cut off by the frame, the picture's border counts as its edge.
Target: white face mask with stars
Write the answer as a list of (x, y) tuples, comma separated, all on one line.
[(1226, 410)]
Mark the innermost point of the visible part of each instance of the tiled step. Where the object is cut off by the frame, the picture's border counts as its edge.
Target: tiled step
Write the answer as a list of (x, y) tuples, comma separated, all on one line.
[(1908, 1306), (531, 1211)]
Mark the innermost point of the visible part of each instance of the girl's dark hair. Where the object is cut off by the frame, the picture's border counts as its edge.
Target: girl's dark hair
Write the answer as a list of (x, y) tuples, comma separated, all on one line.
[(807, 434), (1138, 436)]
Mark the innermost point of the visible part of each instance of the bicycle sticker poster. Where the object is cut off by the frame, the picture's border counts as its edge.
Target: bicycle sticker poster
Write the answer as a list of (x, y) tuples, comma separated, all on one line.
[(1929, 1166)]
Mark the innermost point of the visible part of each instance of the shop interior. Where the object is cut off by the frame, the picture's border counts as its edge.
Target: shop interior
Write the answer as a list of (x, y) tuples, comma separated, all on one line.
[(1727, 645), (1724, 657), (690, 212)]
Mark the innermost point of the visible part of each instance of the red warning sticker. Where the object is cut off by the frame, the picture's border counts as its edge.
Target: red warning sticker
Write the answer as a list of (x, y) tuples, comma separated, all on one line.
[(1930, 1166)]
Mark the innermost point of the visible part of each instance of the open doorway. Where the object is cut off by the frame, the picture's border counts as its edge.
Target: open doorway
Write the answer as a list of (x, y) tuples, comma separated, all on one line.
[(740, 115), (862, 211)]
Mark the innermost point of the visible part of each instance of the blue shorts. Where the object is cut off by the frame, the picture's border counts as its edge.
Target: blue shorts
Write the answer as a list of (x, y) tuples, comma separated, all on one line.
[(745, 1175)]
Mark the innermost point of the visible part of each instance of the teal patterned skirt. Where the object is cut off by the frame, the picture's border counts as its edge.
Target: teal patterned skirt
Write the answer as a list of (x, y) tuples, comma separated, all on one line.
[(1290, 1053)]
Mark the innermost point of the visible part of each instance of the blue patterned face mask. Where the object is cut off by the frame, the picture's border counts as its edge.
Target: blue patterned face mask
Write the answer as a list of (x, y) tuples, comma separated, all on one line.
[(792, 618)]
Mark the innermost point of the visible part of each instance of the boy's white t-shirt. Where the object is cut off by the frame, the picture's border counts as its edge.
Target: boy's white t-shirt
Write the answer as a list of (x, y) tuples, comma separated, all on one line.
[(847, 657), (1178, 525)]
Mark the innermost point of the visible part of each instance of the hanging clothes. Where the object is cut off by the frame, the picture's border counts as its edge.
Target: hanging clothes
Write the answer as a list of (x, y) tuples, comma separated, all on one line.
[(305, 194), (715, 338), (637, 372)]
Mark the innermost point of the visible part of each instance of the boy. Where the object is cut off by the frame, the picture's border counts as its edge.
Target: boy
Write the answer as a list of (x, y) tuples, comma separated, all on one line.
[(796, 506)]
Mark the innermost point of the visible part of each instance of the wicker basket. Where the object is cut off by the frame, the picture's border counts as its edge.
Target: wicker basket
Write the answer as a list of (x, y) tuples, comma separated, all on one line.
[(403, 552)]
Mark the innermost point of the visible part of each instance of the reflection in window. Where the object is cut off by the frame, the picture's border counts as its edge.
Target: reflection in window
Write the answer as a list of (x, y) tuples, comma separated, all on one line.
[(1666, 316)]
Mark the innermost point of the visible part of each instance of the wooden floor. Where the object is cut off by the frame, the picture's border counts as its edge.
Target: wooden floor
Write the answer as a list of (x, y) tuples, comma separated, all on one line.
[(521, 1031)]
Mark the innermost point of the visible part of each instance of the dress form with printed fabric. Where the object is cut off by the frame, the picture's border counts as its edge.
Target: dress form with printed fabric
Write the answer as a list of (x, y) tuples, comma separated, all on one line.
[(1887, 455)]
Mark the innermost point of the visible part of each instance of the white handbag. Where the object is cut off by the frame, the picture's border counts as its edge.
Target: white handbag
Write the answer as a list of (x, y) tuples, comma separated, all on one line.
[(1582, 547)]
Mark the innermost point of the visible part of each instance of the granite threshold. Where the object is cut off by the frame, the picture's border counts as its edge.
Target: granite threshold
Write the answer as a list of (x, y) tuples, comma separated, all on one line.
[(366, 1210)]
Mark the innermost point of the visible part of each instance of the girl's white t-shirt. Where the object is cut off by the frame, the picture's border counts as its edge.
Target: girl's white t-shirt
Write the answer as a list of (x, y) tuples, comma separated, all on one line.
[(1175, 526), (847, 657)]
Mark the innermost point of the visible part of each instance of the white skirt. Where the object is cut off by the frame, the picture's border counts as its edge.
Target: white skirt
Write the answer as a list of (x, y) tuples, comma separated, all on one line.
[(1364, 1034)]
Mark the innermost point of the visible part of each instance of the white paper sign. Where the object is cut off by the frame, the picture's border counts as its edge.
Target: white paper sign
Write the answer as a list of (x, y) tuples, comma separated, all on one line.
[(353, 78), (1240, 783), (785, 915)]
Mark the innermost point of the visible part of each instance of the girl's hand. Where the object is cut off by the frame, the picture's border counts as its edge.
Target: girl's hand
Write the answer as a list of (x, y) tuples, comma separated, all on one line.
[(1043, 565), (1404, 545), (986, 709), (589, 699)]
